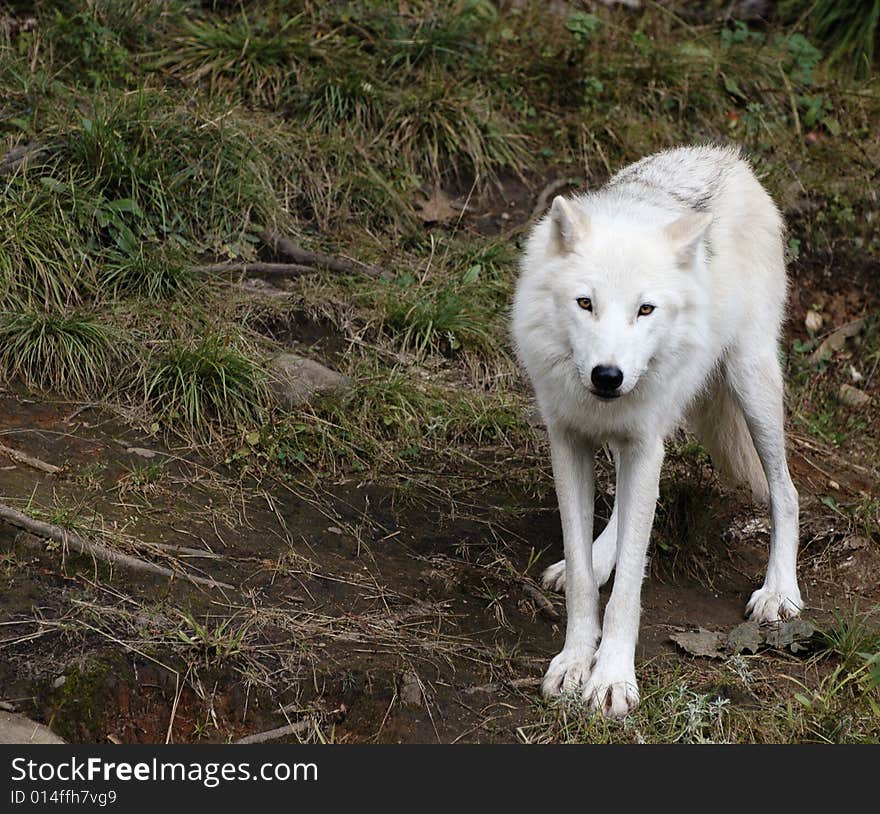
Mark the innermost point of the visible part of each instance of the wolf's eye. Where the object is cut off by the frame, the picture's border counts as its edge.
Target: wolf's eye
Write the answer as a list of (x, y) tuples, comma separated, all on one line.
[(585, 302), (645, 309)]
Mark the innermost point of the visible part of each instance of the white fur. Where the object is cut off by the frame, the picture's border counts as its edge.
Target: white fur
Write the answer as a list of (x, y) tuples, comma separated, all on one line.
[(707, 353)]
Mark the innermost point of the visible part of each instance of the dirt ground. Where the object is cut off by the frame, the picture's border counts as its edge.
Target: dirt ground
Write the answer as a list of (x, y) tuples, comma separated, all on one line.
[(369, 614)]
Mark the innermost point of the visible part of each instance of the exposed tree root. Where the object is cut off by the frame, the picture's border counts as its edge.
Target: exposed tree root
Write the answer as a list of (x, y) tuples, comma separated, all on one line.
[(285, 247)]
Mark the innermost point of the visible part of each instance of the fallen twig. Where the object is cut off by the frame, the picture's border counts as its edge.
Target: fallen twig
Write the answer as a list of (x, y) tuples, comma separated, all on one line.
[(298, 728), (265, 269), (72, 540), (544, 604), (499, 686), (186, 552), (29, 460), (18, 156), (283, 245)]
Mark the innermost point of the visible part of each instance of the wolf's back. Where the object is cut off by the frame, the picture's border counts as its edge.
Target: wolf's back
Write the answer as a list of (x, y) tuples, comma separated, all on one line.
[(684, 177)]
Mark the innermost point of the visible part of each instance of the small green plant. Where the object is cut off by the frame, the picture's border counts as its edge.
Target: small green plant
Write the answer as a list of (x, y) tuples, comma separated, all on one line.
[(854, 638), (43, 263), (89, 46), (582, 26), (438, 38), (344, 95), (430, 319), (215, 643)]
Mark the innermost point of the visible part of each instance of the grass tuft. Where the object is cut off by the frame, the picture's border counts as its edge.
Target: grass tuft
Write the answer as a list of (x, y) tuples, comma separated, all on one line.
[(205, 389), (43, 263), (253, 58), (70, 354), (152, 274), (443, 133)]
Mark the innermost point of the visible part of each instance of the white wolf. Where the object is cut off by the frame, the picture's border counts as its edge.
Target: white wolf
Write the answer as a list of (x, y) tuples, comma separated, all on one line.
[(654, 300)]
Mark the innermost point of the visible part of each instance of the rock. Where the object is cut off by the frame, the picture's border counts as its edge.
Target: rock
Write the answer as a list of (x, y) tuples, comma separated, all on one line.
[(748, 10), (142, 452), (20, 730), (295, 380), (749, 637), (410, 689), (813, 321), (852, 396), (435, 206)]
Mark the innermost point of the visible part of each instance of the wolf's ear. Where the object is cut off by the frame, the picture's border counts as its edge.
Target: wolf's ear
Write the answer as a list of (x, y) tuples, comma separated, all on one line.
[(568, 224), (685, 233)]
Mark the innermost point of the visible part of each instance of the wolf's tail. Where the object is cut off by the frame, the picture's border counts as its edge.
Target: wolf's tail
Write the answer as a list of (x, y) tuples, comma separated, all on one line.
[(720, 426)]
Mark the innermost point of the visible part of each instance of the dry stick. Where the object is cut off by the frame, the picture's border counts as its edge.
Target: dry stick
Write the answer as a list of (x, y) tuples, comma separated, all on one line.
[(269, 269), (544, 604), (498, 686), (283, 245), (18, 156), (23, 458), (298, 728), (72, 540)]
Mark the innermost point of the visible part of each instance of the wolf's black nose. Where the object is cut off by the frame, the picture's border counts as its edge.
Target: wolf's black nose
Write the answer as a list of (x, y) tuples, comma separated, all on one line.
[(607, 378)]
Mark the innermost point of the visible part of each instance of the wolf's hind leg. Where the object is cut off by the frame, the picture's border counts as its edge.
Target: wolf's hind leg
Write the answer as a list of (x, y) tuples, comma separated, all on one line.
[(604, 559), (755, 377)]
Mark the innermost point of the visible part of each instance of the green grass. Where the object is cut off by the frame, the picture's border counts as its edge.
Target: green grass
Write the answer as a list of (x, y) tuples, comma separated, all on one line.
[(443, 133), (144, 165), (152, 274), (205, 389), (173, 134), (256, 58), (853, 638), (392, 425), (43, 262), (724, 704), (71, 354), (848, 30)]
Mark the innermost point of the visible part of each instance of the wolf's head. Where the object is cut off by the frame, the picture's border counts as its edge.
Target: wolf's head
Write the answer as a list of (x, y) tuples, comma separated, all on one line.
[(623, 291)]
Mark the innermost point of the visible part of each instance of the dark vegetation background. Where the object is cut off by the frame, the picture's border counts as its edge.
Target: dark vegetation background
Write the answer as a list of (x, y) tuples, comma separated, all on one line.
[(199, 196)]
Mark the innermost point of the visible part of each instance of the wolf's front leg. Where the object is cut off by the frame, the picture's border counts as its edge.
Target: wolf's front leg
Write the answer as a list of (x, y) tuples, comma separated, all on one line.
[(572, 459), (612, 687)]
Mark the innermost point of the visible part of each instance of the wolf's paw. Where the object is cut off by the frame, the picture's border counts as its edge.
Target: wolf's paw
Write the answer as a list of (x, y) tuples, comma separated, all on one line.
[(612, 689), (553, 579), (771, 604), (568, 672)]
